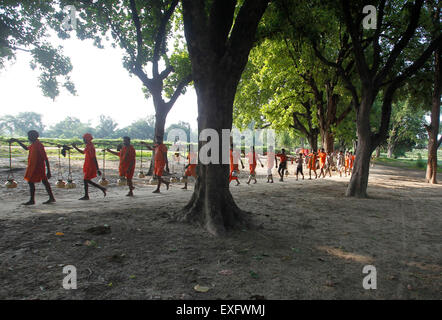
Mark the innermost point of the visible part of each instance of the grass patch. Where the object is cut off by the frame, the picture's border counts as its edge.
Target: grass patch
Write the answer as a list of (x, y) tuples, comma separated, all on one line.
[(407, 163)]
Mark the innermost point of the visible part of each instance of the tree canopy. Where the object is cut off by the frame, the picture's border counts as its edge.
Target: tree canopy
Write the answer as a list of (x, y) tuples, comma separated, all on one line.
[(26, 26)]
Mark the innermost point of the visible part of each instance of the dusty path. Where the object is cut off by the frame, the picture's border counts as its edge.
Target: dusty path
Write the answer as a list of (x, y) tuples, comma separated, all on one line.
[(312, 243)]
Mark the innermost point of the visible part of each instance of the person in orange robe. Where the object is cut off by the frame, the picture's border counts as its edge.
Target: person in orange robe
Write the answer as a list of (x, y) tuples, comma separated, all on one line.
[(190, 168), (252, 156), (90, 166), (322, 160), (347, 163), (160, 161), (35, 171), (235, 158), (282, 164), (352, 161), (126, 168), (312, 164)]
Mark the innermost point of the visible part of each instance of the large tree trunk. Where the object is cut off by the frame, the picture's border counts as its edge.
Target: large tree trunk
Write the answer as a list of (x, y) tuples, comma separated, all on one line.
[(219, 46), (433, 128), (160, 123), (313, 141), (431, 175), (390, 150), (212, 204), (328, 140), (359, 178), (161, 111), (378, 152)]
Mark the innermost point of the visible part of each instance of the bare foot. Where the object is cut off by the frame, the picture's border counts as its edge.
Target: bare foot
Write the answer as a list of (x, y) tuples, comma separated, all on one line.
[(156, 191), (130, 194), (84, 198), (29, 203), (184, 188)]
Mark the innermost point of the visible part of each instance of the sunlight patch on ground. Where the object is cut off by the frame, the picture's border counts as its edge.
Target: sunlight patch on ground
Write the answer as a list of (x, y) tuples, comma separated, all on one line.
[(424, 266), (346, 255)]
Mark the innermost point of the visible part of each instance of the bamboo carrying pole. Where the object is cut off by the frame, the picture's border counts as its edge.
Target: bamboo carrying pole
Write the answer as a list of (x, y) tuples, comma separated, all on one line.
[(10, 183)]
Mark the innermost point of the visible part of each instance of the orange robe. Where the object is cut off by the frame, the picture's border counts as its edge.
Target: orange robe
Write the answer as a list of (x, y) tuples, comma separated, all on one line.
[(191, 169), (312, 161), (89, 167), (36, 170), (352, 161), (322, 159), (233, 167), (282, 157), (127, 159), (160, 161), (347, 162), (252, 162)]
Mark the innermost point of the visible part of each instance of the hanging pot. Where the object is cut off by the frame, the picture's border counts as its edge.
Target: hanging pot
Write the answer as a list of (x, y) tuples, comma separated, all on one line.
[(11, 184), (60, 183), (141, 175), (174, 180), (122, 181), (70, 185), (103, 182)]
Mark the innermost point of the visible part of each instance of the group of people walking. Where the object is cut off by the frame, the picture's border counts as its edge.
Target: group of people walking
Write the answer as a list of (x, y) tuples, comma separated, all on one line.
[(38, 168), (325, 162)]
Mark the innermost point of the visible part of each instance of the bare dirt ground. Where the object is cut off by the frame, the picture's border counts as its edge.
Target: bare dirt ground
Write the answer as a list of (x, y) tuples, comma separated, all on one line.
[(312, 242)]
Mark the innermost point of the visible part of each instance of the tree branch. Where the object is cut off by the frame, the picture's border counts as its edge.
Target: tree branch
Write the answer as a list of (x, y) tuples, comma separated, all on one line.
[(159, 38), (195, 28), (353, 29), (221, 20), (243, 34), (136, 21), (376, 46), (181, 85), (344, 114), (165, 73), (348, 84), (411, 70), (408, 34), (297, 124)]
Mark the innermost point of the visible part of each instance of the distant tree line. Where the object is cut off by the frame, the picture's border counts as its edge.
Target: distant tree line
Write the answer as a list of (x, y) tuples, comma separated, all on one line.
[(71, 127)]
